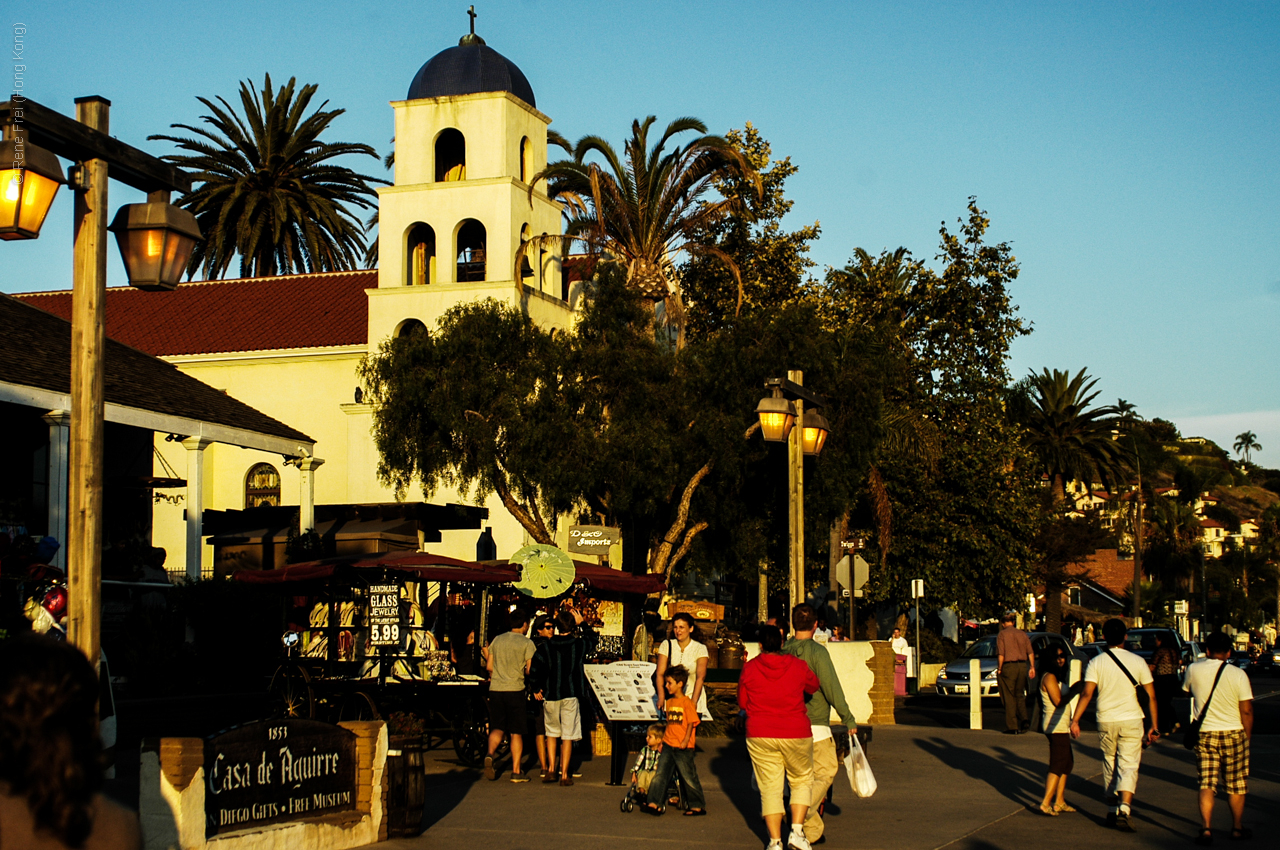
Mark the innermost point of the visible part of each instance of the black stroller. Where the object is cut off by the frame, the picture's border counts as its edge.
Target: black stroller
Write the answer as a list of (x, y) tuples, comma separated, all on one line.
[(635, 796)]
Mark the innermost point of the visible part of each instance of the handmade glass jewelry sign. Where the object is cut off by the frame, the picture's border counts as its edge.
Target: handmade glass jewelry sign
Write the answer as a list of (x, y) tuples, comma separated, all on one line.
[(277, 770), (385, 620)]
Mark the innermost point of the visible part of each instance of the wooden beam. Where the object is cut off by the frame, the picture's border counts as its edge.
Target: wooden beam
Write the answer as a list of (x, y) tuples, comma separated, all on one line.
[(70, 139)]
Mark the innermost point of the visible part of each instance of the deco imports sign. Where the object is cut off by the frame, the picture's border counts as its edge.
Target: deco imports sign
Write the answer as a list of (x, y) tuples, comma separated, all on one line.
[(277, 770), (592, 539)]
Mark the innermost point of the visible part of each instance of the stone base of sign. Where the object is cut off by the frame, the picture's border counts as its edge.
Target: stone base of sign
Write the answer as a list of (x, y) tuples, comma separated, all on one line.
[(865, 670), (171, 801)]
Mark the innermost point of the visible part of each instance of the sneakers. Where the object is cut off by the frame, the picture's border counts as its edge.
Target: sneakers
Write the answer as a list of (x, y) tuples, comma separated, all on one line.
[(489, 773), (1122, 822), (774, 844), (797, 841), (517, 776)]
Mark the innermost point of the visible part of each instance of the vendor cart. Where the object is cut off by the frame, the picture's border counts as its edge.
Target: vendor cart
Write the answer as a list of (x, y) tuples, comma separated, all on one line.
[(367, 636)]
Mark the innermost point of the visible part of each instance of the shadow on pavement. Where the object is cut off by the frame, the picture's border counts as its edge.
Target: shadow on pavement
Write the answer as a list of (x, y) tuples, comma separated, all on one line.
[(1015, 781), (736, 784), (444, 792)]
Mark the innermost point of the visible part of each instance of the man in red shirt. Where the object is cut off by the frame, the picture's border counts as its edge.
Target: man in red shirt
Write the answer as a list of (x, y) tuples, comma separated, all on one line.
[(1015, 665)]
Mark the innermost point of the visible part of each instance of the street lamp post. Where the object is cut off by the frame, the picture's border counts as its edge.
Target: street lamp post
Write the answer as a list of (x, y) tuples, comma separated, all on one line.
[(783, 417), (86, 141), (1137, 542)]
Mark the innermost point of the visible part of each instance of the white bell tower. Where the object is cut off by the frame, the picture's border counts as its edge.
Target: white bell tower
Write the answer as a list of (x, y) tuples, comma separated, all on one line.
[(468, 139)]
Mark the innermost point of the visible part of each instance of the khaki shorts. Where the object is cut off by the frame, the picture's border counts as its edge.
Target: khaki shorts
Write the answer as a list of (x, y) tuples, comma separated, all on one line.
[(562, 720)]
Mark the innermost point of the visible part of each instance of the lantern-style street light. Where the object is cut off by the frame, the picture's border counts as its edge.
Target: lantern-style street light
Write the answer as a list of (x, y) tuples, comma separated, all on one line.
[(156, 244), (783, 417), (30, 177), (155, 240)]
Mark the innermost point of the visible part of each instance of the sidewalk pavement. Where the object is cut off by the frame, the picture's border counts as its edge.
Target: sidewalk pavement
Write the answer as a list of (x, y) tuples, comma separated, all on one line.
[(939, 788)]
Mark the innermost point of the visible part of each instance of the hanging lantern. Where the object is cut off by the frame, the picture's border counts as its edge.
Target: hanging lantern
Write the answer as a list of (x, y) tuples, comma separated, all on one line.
[(813, 432), (776, 418), (156, 240), (29, 180)]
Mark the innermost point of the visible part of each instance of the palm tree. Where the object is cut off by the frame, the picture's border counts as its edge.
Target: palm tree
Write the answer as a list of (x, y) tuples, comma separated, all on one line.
[(643, 208), (267, 189), (1072, 441), (1246, 443)]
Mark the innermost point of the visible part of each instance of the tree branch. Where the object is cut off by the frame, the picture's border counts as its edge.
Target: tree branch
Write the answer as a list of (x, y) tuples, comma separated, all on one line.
[(661, 558), (694, 531), (536, 529)]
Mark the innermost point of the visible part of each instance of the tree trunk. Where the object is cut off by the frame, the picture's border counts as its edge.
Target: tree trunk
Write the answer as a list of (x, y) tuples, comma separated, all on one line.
[(1053, 606)]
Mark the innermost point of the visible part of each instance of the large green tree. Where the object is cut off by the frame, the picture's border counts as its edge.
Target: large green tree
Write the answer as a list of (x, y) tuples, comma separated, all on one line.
[(267, 188)]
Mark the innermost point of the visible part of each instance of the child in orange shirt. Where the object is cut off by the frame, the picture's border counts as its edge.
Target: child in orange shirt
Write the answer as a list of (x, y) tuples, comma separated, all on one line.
[(678, 747)]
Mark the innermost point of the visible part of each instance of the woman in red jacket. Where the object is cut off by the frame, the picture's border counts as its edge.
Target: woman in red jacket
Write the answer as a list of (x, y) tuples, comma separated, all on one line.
[(771, 691)]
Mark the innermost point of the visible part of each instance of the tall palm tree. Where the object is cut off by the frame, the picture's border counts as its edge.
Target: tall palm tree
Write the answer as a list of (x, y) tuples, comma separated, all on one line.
[(267, 189), (644, 207), (1072, 441), (1246, 443)]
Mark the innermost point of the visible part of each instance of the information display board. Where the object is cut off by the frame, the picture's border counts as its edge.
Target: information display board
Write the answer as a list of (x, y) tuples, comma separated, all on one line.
[(277, 770), (385, 624), (625, 689)]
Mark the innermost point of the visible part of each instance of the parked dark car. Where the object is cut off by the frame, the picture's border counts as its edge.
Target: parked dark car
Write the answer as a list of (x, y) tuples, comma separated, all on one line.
[(1241, 659), (1142, 642), (953, 680)]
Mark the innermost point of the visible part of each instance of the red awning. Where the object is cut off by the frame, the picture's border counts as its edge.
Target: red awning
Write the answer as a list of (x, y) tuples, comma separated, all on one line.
[(617, 581), (422, 565)]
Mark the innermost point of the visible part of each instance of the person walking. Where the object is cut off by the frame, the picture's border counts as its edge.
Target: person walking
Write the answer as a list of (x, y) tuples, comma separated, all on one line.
[(1164, 670), (557, 672), (1222, 696), (678, 747), (1056, 701), (772, 690), (1015, 666), (681, 649), (508, 663), (830, 695), (1114, 676), (543, 629)]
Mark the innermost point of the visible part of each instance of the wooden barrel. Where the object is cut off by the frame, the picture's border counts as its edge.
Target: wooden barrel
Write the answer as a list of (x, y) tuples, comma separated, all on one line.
[(406, 786)]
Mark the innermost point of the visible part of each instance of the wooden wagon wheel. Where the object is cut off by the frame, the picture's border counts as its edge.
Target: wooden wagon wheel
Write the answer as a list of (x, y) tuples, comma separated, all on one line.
[(358, 706), (471, 733), (290, 693)]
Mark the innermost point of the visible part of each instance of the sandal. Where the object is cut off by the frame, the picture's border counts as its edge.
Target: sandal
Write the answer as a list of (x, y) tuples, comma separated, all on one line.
[(1065, 807), (1048, 811), (1205, 838), (695, 813), (1244, 833)]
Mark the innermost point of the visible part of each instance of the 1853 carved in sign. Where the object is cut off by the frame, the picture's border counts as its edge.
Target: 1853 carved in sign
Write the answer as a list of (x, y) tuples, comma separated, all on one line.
[(277, 770)]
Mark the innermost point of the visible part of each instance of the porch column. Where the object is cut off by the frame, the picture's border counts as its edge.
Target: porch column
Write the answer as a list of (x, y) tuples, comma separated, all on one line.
[(59, 450), (195, 447), (307, 499)]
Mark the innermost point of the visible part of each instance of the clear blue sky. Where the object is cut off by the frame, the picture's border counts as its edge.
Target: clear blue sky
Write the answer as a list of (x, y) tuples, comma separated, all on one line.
[(1128, 151)]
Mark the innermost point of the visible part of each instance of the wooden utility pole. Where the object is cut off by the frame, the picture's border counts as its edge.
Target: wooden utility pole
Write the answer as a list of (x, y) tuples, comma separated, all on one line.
[(88, 317), (795, 481)]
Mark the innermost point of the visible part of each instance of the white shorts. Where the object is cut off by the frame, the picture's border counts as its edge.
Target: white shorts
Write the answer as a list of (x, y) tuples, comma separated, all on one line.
[(562, 720)]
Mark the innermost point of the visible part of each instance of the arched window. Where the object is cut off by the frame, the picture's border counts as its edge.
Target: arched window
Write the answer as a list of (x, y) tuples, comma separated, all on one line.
[(262, 487), (411, 329), (422, 256), (471, 253), (451, 156), (526, 165), (526, 270)]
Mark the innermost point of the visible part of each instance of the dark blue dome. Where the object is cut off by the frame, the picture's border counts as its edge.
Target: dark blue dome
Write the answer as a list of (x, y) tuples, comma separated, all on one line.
[(470, 68)]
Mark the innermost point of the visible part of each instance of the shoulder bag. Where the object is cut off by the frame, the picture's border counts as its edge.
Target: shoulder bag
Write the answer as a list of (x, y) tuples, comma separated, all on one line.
[(1192, 737), (1141, 692)]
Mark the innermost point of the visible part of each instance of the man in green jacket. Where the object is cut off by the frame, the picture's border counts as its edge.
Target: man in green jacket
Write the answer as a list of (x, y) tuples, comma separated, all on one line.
[(829, 696)]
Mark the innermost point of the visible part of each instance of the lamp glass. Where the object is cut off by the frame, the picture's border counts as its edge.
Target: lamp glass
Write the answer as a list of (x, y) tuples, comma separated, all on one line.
[(776, 418), (25, 198), (813, 436)]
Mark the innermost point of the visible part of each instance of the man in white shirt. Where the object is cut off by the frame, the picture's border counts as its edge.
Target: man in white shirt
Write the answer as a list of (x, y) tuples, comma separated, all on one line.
[(1114, 676), (1223, 750)]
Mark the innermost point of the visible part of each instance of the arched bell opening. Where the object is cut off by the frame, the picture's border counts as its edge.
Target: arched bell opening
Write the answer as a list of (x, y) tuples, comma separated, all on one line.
[(451, 156), (471, 251), (421, 268)]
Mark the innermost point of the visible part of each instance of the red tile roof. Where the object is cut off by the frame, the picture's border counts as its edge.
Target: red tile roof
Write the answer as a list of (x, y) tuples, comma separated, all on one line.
[(253, 314), (1211, 523)]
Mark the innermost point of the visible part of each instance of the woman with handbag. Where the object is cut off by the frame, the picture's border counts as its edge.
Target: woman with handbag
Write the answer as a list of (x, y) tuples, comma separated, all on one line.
[(1164, 669), (1056, 703), (680, 649)]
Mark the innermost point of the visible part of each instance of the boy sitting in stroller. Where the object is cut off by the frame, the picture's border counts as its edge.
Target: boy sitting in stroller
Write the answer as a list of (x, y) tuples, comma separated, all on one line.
[(646, 765)]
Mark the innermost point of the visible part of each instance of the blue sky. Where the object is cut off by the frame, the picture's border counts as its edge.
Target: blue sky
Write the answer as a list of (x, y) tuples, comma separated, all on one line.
[(1128, 151)]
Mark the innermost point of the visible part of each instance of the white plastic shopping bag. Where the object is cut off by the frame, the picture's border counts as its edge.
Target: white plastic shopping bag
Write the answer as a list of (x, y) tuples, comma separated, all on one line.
[(861, 779)]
